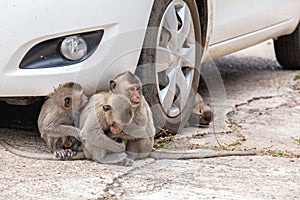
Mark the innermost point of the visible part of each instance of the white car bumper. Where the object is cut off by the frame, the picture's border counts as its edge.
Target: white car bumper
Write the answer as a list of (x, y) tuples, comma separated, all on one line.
[(23, 24)]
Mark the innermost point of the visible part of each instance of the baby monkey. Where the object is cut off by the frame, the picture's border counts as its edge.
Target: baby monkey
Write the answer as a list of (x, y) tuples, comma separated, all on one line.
[(201, 114)]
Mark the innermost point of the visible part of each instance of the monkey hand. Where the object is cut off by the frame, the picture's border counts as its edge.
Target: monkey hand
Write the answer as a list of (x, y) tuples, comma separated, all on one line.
[(60, 154), (70, 153), (64, 154), (126, 162)]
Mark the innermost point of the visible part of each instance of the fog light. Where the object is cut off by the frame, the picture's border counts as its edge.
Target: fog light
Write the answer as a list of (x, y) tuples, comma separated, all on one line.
[(73, 48)]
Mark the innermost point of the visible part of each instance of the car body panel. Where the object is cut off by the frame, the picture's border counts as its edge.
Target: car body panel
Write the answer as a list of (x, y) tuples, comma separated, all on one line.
[(240, 24), (231, 25), (233, 18), (24, 24)]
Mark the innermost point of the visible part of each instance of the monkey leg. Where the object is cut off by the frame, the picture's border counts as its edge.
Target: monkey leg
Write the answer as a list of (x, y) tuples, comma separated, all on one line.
[(100, 140), (117, 159), (103, 156), (139, 148)]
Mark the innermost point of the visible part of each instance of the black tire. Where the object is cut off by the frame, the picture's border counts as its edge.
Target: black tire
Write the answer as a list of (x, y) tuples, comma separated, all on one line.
[(287, 49), (146, 69)]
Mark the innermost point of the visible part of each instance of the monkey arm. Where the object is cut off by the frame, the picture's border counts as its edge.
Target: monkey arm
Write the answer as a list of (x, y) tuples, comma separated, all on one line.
[(150, 124), (99, 139), (135, 131), (61, 131), (76, 116)]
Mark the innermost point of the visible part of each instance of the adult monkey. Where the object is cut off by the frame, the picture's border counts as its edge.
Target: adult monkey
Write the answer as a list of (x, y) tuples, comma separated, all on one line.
[(169, 65)]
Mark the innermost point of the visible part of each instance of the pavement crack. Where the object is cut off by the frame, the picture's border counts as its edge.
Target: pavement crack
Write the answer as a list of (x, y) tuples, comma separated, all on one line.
[(255, 99), (114, 190)]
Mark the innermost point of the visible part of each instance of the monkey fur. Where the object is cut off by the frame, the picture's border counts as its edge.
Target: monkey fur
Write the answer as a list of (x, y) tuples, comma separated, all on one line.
[(201, 114), (103, 110)]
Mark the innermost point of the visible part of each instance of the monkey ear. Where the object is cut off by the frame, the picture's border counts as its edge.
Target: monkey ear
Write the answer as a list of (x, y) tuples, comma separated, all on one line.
[(112, 84), (106, 108), (67, 102)]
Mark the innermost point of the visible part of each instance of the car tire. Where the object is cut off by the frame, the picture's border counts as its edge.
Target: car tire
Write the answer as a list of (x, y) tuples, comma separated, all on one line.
[(171, 103), (287, 49)]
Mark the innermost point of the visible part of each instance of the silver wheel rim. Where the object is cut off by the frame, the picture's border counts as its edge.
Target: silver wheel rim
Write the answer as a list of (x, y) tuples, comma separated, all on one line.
[(175, 57)]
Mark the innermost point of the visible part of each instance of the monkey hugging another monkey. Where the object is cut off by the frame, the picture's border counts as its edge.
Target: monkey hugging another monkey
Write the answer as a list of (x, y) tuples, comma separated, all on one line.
[(114, 127)]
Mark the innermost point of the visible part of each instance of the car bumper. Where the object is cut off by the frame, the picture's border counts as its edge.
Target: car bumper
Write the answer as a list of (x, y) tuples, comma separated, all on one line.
[(23, 24)]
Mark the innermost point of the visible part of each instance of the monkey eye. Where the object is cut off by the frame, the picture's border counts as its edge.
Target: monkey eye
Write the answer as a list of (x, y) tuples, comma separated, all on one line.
[(114, 124), (132, 89)]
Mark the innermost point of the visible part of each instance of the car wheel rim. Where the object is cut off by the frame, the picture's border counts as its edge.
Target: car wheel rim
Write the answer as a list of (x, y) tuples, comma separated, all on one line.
[(175, 57)]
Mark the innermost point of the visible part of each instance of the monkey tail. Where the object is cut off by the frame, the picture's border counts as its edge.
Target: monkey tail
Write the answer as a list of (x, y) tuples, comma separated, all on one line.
[(38, 156), (198, 155)]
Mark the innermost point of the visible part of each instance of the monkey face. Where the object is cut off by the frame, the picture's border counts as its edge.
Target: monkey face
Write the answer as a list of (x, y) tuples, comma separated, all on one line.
[(134, 94), (118, 112), (129, 85), (203, 115), (115, 128)]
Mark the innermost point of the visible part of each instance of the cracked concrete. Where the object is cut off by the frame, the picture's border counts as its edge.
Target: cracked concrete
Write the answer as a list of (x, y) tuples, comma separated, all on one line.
[(261, 109)]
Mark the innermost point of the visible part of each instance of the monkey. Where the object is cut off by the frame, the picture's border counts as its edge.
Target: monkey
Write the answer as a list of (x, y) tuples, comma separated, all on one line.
[(57, 119), (201, 113), (139, 134), (105, 113)]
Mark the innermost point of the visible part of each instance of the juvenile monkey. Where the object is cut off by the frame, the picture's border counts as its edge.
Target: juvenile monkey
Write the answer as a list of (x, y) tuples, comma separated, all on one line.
[(201, 113), (57, 119), (139, 134), (105, 113)]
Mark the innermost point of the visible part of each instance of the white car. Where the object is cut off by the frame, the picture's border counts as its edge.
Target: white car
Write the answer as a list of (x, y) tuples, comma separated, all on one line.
[(45, 43)]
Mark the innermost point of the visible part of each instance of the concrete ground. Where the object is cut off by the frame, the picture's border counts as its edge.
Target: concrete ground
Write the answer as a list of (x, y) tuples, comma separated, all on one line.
[(257, 107)]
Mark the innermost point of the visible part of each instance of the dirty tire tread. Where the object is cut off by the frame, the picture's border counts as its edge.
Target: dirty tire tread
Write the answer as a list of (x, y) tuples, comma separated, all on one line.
[(287, 49)]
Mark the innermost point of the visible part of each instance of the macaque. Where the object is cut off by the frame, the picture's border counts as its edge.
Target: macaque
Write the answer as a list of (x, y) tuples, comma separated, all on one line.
[(57, 118), (201, 113), (139, 134), (104, 114)]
